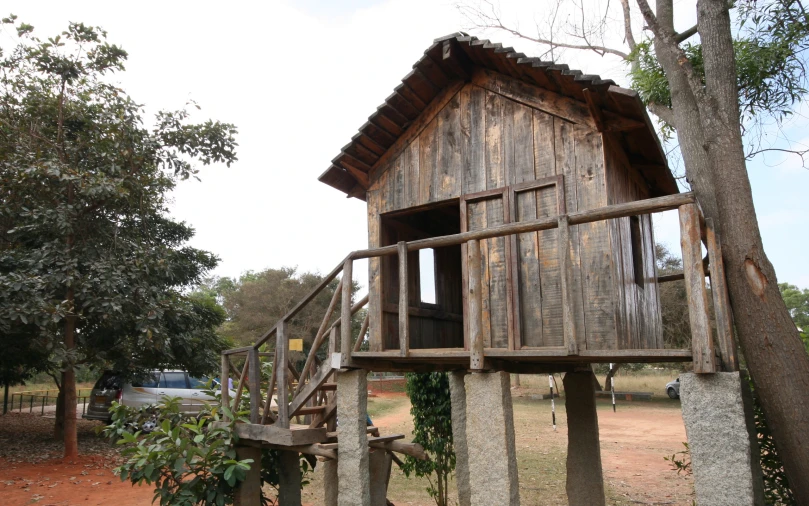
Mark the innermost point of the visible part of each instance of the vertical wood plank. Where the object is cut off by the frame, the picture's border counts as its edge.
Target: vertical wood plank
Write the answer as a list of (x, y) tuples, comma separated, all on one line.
[(254, 383), (267, 415), (565, 162), (375, 337), (701, 342), (411, 170), (448, 170), (568, 320), (550, 276), (544, 148), (529, 292), (495, 173), (498, 276), (475, 306), (404, 305), (223, 385), (281, 371), (721, 300), (345, 313), (428, 151), (474, 179)]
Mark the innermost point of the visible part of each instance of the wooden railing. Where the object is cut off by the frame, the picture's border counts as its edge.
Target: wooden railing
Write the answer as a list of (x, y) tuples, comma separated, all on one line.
[(341, 345)]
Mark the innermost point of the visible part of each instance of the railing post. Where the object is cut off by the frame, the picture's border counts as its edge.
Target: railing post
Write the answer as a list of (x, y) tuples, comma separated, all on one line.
[(474, 300), (345, 313), (404, 306), (224, 384), (566, 278), (694, 272), (721, 300), (254, 383), (280, 369)]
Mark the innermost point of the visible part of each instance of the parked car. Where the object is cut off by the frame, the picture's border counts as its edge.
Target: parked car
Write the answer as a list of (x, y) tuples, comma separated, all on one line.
[(673, 389), (110, 387)]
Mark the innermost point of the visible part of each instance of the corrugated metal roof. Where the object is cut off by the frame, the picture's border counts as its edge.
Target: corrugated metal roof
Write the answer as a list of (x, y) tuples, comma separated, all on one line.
[(453, 57)]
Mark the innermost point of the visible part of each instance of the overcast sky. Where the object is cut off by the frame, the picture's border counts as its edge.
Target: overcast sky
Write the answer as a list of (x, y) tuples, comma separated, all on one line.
[(298, 79)]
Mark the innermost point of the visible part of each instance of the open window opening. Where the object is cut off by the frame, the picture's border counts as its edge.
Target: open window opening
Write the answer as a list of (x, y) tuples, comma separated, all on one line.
[(637, 249), (435, 279)]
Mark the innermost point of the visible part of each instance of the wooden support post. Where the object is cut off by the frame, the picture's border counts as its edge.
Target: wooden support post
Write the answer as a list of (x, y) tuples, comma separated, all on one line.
[(566, 272), (281, 370), (289, 479), (254, 384), (223, 384), (721, 300), (404, 316), (267, 415), (321, 332), (693, 269), (345, 313), (240, 388), (475, 302), (363, 330)]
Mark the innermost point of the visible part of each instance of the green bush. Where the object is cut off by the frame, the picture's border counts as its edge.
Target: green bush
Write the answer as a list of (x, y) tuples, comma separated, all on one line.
[(188, 460), (432, 427)]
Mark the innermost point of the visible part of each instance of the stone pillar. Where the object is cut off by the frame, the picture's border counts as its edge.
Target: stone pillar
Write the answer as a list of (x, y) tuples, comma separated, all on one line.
[(248, 493), (457, 393), (353, 479), (289, 479), (585, 481), (379, 462), (490, 440), (724, 454), (329, 482)]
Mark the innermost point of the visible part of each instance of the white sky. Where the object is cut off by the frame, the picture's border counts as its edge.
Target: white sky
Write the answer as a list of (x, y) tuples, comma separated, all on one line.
[(298, 79)]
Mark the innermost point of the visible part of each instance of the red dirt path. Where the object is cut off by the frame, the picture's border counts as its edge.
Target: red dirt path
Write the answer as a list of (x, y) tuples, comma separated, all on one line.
[(86, 481)]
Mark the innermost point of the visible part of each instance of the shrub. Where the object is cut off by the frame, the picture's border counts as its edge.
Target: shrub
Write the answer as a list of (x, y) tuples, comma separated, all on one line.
[(432, 419)]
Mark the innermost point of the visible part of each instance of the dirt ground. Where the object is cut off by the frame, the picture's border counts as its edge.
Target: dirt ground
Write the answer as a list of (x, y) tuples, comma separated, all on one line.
[(633, 443)]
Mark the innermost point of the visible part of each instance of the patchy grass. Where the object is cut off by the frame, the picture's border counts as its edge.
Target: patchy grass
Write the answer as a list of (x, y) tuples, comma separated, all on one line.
[(647, 380), (542, 453)]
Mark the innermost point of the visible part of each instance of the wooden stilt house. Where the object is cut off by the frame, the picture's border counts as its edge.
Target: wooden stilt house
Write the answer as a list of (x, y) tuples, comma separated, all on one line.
[(477, 136)]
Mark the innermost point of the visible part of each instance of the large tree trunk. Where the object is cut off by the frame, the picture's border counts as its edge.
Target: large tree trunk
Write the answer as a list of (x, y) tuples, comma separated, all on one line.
[(69, 388), (59, 425), (769, 339)]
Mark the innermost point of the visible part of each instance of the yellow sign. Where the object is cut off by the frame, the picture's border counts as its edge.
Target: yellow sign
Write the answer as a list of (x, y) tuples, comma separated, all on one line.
[(296, 345)]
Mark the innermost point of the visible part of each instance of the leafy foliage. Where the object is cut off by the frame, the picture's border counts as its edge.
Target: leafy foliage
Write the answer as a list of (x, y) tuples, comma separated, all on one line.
[(187, 459), (681, 461), (257, 300), (432, 419), (85, 235), (797, 302), (776, 485), (769, 50)]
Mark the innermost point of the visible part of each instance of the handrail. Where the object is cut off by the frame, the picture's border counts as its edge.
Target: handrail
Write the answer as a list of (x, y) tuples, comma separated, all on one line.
[(657, 204)]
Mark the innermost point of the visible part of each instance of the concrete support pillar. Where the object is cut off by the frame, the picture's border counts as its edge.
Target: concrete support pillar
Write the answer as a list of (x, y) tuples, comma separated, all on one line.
[(353, 479), (490, 440), (289, 479), (329, 482), (457, 393), (379, 469), (248, 493), (721, 437), (585, 480)]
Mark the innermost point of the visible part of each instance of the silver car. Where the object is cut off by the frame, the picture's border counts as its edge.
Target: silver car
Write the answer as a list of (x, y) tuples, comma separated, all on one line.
[(673, 389), (173, 383)]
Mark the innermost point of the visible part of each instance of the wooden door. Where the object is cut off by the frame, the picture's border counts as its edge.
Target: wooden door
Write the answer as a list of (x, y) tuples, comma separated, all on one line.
[(537, 282), (479, 211)]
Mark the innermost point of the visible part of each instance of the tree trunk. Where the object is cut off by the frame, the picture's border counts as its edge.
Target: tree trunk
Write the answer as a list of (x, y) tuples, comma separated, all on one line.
[(769, 339), (59, 425), (610, 374), (69, 386)]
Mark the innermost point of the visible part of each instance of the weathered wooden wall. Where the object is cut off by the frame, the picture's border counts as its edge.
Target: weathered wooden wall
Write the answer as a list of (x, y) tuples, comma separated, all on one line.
[(638, 317), (478, 140)]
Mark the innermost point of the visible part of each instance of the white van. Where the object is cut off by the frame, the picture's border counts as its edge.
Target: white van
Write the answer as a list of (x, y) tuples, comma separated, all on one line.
[(173, 383)]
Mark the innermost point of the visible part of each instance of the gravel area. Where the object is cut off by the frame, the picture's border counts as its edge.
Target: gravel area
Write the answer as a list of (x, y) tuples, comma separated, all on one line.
[(26, 438)]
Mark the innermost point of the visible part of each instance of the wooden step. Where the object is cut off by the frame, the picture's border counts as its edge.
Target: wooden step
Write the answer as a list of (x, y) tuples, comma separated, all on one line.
[(328, 386), (310, 410)]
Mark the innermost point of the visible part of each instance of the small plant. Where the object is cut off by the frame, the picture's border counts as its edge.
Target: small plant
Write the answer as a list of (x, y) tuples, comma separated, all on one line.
[(190, 461), (432, 421), (681, 461)]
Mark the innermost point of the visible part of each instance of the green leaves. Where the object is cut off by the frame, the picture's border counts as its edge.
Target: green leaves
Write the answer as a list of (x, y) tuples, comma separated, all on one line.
[(431, 409), (83, 206)]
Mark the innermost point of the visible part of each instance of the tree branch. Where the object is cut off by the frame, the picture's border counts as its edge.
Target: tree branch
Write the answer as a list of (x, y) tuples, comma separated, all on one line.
[(628, 35), (800, 152), (663, 112), (685, 34)]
